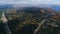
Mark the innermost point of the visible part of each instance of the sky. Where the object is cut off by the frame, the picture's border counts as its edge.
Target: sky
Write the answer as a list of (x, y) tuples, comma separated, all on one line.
[(29, 2)]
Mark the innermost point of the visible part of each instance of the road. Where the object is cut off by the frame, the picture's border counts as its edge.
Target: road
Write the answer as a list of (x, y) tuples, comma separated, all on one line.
[(5, 22), (39, 26)]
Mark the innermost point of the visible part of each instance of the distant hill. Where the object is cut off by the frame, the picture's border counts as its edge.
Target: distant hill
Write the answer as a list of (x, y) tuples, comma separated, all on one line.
[(6, 6)]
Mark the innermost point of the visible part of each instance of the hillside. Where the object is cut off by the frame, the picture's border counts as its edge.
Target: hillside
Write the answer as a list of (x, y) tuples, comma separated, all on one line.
[(28, 19)]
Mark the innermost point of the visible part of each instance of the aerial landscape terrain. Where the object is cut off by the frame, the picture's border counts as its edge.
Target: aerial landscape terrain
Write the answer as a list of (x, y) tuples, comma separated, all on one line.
[(18, 19)]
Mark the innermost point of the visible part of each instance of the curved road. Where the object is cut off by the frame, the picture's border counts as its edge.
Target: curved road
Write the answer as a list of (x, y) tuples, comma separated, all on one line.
[(5, 22)]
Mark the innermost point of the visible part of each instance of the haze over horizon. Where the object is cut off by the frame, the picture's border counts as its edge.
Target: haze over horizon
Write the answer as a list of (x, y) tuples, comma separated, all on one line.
[(53, 2)]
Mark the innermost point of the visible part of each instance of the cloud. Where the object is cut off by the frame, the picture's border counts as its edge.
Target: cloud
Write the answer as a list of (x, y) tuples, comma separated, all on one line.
[(29, 1)]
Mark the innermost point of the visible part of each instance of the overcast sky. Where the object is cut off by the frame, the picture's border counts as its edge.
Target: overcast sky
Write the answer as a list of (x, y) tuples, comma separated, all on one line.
[(29, 1)]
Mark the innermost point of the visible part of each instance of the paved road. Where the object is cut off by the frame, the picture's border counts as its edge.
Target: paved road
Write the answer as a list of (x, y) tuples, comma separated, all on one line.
[(39, 26), (5, 22)]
